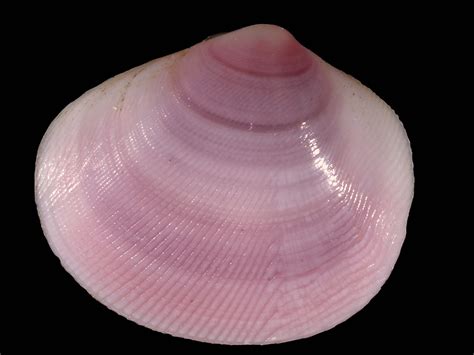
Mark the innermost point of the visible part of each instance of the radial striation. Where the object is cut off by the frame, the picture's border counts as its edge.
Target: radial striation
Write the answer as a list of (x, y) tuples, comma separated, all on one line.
[(242, 191)]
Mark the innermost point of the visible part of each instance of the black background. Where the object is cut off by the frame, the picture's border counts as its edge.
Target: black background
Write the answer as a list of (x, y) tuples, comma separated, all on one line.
[(60, 58)]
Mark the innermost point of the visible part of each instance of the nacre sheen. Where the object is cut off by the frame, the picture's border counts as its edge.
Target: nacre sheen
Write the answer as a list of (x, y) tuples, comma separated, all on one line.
[(242, 191)]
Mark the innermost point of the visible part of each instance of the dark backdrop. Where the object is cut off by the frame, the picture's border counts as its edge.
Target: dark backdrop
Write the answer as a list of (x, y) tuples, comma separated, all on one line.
[(60, 58)]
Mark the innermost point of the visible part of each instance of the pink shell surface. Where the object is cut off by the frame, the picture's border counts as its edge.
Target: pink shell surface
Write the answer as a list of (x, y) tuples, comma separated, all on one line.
[(242, 191)]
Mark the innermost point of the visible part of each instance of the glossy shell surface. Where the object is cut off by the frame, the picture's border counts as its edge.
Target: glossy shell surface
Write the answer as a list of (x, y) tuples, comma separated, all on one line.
[(242, 191)]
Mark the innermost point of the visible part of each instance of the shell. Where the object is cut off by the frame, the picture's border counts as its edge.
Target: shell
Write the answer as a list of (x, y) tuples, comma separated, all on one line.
[(242, 191)]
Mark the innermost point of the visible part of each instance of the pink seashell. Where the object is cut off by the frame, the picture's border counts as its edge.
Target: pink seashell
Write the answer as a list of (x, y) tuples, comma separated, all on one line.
[(242, 191)]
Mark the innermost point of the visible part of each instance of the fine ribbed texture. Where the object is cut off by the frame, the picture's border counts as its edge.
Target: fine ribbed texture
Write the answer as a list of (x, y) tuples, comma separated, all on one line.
[(242, 191)]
